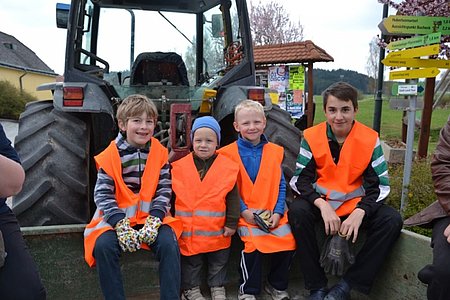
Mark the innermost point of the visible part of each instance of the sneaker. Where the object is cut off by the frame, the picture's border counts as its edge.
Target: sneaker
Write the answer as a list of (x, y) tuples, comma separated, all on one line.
[(246, 297), (218, 293), (318, 294), (192, 294), (276, 294), (341, 291)]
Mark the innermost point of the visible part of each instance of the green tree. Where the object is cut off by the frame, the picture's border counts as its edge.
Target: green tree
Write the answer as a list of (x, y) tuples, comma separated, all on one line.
[(12, 100)]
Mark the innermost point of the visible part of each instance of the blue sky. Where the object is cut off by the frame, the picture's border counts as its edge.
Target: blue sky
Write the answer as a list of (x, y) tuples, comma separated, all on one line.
[(343, 29)]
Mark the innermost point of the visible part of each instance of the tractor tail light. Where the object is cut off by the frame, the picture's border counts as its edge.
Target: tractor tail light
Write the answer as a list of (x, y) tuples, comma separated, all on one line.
[(256, 95), (73, 96)]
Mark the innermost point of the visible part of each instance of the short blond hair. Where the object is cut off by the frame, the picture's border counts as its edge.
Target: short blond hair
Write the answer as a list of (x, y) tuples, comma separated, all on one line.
[(250, 105), (134, 106)]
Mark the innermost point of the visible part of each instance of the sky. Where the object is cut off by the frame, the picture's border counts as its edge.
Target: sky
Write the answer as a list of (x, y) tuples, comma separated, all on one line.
[(343, 29)]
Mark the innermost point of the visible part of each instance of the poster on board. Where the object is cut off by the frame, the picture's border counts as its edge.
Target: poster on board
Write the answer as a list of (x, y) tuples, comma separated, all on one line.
[(295, 92), (279, 80)]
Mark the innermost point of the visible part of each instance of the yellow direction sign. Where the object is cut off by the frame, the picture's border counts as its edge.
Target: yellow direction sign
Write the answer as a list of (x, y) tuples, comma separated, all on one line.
[(416, 63), (415, 73), (415, 52), (428, 39)]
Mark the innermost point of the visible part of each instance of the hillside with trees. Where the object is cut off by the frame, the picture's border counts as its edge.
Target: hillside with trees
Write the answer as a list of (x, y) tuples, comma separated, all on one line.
[(324, 78)]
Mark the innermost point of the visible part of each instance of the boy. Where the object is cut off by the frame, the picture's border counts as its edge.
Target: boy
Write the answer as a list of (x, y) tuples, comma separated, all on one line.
[(262, 188), (342, 180), (132, 195), (207, 202)]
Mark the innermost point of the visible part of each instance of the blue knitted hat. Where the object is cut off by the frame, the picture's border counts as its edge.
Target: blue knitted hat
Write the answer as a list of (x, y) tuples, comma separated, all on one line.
[(208, 122)]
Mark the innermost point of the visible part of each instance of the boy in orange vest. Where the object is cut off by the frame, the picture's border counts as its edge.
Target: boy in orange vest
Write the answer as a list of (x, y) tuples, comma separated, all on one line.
[(132, 195), (207, 202), (262, 188), (342, 181)]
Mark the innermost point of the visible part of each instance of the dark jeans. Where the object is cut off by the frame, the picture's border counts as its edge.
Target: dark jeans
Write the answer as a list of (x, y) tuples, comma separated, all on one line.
[(251, 271), (19, 277), (191, 268), (382, 229), (107, 253), (437, 275)]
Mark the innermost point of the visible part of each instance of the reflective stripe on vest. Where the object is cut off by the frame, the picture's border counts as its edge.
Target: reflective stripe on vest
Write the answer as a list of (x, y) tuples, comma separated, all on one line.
[(262, 195), (135, 206), (342, 183), (201, 204)]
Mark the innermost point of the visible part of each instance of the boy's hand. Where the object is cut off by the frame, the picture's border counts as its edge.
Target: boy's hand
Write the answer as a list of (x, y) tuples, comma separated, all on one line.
[(127, 236), (331, 220), (248, 216), (227, 231), (274, 220), (149, 232)]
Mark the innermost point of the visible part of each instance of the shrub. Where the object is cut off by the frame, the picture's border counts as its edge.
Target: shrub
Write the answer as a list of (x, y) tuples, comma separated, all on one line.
[(420, 190), (12, 101)]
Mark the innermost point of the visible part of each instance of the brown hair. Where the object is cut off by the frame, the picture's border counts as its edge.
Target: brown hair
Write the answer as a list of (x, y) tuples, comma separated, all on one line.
[(343, 91), (135, 105)]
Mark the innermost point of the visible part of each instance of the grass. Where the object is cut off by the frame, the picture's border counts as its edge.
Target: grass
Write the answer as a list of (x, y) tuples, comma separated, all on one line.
[(420, 190)]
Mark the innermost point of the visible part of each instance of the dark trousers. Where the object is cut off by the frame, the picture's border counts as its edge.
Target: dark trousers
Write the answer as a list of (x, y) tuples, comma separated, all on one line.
[(437, 275), (107, 253), (251, 271), (191, 268), (19, 277), (382, 229)]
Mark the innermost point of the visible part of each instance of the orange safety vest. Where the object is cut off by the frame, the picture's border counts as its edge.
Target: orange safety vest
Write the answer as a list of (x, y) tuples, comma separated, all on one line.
[(201, 204), (342, 184), (135, 206), (262, 195)]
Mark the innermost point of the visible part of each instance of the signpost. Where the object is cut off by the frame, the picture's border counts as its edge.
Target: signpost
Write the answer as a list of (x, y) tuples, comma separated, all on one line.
[(415, 52), (415, 73), (409, 25), (416, 63), (417, 41), (407, 89)]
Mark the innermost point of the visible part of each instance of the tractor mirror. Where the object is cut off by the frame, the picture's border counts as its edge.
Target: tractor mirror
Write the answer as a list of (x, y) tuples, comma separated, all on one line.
[(62, 15)]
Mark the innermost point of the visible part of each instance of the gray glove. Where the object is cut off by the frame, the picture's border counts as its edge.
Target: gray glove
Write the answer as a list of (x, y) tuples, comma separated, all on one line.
[(2, 250), (127, 236), (336, 255)]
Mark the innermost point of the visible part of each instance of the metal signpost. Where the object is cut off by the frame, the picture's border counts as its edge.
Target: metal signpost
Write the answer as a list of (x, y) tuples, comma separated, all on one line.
[(414, 48)]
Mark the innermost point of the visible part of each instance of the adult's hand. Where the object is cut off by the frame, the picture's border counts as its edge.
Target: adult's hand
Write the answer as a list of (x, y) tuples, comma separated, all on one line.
[(330, 219), (227, 231), (447, 233), (350, 226)]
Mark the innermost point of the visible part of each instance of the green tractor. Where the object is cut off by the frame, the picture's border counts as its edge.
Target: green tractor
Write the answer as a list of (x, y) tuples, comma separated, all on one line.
[(194, 58)]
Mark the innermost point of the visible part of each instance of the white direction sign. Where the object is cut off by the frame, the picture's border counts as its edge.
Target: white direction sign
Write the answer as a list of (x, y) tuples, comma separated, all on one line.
[(407, 89)]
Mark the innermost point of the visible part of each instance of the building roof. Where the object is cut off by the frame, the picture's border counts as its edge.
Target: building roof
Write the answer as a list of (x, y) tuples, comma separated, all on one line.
[(297, 52), (15, 55)]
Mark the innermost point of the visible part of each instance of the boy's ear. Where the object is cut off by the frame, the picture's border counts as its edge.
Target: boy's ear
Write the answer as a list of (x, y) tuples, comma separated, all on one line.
[(236, 126), (122, 125)]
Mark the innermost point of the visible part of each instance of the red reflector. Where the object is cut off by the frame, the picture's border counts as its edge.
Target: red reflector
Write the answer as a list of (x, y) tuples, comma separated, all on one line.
[(73, 96), (73, 103), (256, 95)]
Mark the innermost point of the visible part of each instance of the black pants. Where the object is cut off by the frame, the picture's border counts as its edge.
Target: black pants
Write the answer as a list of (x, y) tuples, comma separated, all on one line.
[(437, 275), (382, 229), (19, 277), (251, 271)]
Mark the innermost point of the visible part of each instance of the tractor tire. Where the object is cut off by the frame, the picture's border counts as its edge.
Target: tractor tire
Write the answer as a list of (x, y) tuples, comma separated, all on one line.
[(54, 149), (281, 131)]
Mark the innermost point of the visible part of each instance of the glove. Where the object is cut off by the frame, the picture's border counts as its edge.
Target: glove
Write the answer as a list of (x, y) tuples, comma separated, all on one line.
[(262, 220), (2, 250), (149, 232), (336, 255), (127, 236)]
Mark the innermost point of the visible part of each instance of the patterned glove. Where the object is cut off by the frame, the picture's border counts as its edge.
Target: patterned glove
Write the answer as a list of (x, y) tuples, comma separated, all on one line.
[(127, 236), (336, 255), (149, 232)]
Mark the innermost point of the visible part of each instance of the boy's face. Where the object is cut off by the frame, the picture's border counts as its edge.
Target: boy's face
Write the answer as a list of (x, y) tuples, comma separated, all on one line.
[(340, 115), (204, 142), (139, 129), (250, 124)]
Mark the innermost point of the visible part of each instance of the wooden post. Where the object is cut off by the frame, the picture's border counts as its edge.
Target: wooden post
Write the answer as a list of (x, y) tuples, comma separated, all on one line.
[(310, 107), (425, 122)]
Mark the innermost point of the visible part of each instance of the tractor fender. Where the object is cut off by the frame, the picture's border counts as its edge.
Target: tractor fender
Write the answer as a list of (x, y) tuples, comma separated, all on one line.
[(227, 99), (94, 100)]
